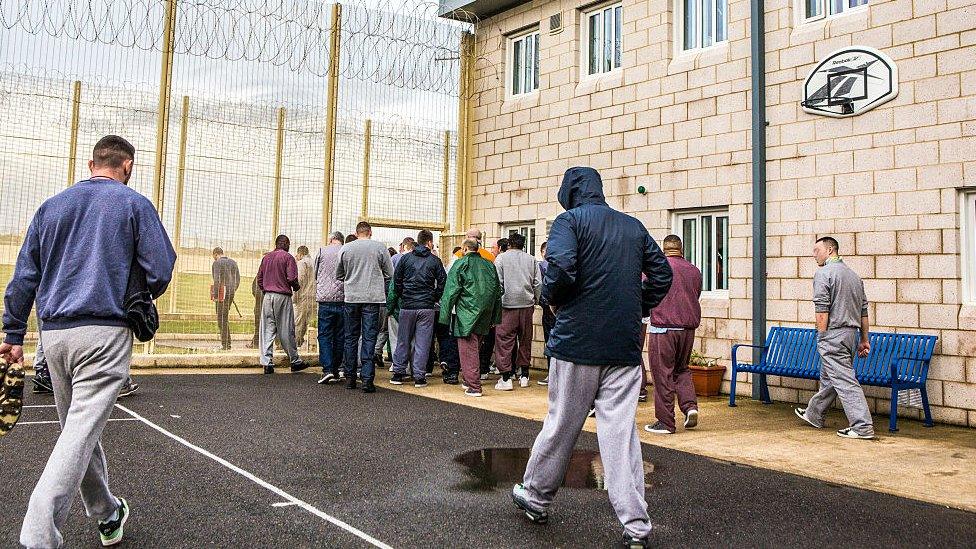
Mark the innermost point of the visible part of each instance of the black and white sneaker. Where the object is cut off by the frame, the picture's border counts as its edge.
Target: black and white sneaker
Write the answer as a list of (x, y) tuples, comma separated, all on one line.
[(451, 380), (802, 414), (691, 420), (849, 432), (658, 428), (299, 366), (398, 379), (420, 383), (42, 385), (129, 388), (521, 500), (327, 379), (110, 531), (544, 381), (591, 413), (630, 542)]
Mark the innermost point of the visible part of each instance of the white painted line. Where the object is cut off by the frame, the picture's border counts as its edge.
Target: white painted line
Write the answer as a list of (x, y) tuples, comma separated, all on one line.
[(260, 482), (283, 504), (58, 422)]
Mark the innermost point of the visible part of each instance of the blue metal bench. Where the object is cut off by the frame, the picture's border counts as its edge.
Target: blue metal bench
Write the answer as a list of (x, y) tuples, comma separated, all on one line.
[(897, 361)]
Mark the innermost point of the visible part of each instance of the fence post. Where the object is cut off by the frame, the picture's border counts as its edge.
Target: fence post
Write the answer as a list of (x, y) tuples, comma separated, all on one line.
[(463, 179), (162, 115), (447, 175), (178, 224), (367, 147), (73, 140), (330, 119), (279, 153)]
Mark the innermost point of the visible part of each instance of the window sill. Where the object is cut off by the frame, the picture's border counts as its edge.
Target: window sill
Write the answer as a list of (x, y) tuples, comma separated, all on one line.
[(702, 57), (715, 298), (522, 101), (819, 29), (599, 82)]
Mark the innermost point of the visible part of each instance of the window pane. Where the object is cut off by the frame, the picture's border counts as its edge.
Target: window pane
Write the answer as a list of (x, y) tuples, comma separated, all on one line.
[(856, 3), (517, 68), (721, 23), (688, 240), (618, 18), (690, 14), (813, 8), (607, 40), (530, 241), (836, 6), (708, 14), (721, 255), (529, 59), (707, 258), (535, 65), (595, 28)]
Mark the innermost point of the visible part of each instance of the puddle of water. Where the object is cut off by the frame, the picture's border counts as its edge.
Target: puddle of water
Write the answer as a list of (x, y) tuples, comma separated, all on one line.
[(491, 468)]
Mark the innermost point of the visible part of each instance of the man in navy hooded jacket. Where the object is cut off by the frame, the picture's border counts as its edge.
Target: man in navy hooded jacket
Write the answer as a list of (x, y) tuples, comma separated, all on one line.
[(596, 257)]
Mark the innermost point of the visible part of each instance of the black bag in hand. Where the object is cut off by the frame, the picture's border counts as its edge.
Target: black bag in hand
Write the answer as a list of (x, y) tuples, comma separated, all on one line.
[(140, 311)]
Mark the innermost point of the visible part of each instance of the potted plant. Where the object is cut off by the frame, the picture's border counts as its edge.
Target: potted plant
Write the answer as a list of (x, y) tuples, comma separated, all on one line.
[(706, 373)]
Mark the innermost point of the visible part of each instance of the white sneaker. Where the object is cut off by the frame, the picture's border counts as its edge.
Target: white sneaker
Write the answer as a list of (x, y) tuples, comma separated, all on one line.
[(691, 420), (523, 382), (849, 432), (503, 385)]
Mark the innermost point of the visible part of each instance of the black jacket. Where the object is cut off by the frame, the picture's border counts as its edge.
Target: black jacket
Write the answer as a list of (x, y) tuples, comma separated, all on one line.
[(419, 280), (596, 256)]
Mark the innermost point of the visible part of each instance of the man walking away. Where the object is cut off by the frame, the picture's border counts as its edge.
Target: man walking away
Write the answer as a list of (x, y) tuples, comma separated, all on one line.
[(328, 293), (226, 280), (471, 304), (304, 298), (518, 274), (596, 257), (842, 309), (418, 283), (548, 317), (363, 266), (670, 341), (94, 234), (278, 279)]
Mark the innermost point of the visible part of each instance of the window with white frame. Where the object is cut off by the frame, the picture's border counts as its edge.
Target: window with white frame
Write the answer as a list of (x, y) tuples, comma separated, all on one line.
[(704, 23), (523, 57), (526, 230), (705, 237), (968, 227), (818, 9), (602, 32)]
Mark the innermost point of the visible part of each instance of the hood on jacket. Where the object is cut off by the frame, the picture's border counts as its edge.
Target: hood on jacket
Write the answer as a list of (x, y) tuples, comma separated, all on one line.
[(422, 251), (581, 185)]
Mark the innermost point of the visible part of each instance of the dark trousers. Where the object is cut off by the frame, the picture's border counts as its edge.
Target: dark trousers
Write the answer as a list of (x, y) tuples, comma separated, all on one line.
[(516, 328), (448, 351), (548, 321), (415, 337), (361, 319), (223, 310), (668, 354), (486, 349), (332, 336), (470, 357)]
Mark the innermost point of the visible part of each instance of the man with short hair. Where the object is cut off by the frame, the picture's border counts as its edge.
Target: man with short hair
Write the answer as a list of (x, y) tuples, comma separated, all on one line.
[(328, 293), (226, 280), (392, 322), (278, 280), (304, 298), (96, 235), (671, 337), (474, 234), (500, 247), (518, 274), (488, 339), (841, 308), (363, 266), (470, 306), (596, 257), (418, 283)]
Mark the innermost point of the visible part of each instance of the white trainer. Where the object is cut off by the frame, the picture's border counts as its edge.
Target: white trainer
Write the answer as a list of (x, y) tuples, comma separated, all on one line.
[(523, 382), (503, 385)]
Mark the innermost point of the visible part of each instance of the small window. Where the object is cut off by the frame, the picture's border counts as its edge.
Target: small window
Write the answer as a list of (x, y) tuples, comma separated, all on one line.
[(705, 238), (524, 62), (528, 231), (968, 227), (602, 32), (704, 23), (818, 9)]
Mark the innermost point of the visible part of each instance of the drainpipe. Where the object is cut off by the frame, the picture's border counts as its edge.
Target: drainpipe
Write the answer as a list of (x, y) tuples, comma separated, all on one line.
[(758, 62)]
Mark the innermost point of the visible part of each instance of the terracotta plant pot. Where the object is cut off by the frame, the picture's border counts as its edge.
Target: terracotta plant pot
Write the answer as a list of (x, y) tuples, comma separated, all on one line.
[(708, 381)]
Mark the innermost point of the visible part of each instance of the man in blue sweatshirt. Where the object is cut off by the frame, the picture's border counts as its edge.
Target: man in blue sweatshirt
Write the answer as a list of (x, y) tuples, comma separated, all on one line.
[(93, 234)]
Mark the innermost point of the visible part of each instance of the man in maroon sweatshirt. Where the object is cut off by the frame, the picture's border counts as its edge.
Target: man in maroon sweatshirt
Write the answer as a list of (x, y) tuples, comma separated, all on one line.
[(671, 335), (278, 279)]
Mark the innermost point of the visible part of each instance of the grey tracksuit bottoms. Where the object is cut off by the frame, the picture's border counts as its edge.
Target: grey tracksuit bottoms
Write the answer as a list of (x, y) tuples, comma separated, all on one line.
[(277, 321), (88, 366), (837, 348), (613, 391)]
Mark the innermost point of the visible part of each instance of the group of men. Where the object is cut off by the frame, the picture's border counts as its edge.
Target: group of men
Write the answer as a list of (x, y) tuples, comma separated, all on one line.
[(603, 273)]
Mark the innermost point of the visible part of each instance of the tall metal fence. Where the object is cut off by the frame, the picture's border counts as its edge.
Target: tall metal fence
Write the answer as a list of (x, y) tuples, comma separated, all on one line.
[(250, 118)]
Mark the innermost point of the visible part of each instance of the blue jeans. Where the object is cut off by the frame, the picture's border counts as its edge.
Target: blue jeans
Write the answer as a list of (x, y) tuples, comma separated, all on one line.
[(361, 319), (332, 337)]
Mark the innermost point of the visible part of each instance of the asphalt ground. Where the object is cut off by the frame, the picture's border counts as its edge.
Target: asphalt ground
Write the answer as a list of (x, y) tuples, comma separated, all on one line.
[(278, 461)]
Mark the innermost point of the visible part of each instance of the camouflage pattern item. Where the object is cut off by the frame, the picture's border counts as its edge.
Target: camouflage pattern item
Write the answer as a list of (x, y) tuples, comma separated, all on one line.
[(11, 395)]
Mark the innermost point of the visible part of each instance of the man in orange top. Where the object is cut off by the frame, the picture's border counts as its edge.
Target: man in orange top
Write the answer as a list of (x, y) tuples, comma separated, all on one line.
[(488, 341), (476, 234)]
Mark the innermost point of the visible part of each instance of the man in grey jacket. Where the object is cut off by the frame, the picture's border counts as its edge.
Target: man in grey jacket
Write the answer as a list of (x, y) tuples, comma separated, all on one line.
[(518, 273), (364, 267), (330, 297), (841, 307), (226, 280)]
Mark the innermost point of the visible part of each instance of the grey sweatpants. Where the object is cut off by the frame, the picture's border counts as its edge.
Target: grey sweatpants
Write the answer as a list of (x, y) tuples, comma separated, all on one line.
[(277, 322), (837, 348), (88, 366), (613, 391)]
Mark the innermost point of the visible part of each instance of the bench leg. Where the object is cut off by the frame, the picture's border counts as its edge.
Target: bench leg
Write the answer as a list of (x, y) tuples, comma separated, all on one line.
[(732, 388), (764, 390), (925, 407), (893, 417)]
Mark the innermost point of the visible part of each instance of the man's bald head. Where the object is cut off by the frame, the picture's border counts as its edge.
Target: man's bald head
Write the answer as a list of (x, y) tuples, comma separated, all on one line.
[(473, 233)]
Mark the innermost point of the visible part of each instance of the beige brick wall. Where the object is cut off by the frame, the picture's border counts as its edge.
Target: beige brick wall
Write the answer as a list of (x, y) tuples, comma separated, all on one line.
[(884, 183)]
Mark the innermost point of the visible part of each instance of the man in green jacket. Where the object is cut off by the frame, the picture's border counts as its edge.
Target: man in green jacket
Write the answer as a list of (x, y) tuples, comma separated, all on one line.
[(471, 305)]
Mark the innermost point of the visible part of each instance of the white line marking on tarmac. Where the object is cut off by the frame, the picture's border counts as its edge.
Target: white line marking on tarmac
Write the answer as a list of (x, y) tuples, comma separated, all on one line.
[(55, 421), (38, 406), (283, 504), (260, 482)]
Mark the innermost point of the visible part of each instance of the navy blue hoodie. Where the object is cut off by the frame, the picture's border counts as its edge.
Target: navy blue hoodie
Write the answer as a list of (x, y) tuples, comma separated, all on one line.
[(77, 254), (596, 256)]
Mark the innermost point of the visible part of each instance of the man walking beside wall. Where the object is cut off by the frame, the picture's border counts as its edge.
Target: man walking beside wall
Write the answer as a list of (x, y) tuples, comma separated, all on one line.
[(841, 308), (278, 280)]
